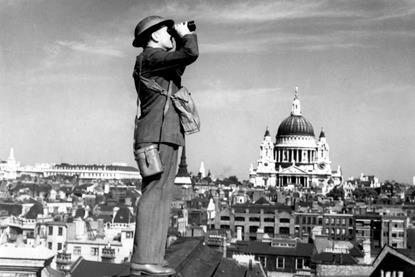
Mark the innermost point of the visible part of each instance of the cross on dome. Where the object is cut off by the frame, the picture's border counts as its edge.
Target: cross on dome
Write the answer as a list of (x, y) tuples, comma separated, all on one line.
[(296, 108)]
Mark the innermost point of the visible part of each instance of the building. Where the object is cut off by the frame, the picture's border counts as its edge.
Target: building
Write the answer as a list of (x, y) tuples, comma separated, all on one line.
[(297, 160), (256, 220), (281, 257), (18, 259), (11, 169), (394, 231)]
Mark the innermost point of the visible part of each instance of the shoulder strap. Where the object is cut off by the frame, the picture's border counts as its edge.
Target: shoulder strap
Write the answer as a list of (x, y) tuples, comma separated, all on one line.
[(166, 104), (140, 62)]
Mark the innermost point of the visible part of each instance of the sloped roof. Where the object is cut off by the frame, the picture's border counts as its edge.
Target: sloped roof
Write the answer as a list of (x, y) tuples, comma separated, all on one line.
[(334, 258), (388, 250), (188, 256), (124, 215), (11, 208), (257, 247), (262, 201), (97, 269), (36, 209)]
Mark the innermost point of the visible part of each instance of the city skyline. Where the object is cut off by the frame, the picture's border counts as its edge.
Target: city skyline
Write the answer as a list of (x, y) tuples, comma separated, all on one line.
[(67, 94)]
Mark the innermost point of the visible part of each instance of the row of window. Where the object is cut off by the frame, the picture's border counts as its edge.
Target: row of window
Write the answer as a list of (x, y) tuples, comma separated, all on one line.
[(312, 220), (77, 250), (255, 219), (60, 231), (59, 245), (280, 263), (337, 221)]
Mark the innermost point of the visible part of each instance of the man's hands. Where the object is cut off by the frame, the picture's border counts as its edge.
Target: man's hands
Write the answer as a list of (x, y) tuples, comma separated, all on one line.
[(182, 29)]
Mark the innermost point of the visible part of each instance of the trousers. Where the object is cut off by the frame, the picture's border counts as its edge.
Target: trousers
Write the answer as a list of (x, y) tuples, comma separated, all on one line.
[(153, 210)]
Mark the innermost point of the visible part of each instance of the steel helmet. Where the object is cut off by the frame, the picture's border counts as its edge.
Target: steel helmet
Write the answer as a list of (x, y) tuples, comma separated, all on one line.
[(148, 25)]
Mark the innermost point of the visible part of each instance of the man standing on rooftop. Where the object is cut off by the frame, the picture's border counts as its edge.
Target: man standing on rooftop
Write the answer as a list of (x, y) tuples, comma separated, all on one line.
[(163, 60)]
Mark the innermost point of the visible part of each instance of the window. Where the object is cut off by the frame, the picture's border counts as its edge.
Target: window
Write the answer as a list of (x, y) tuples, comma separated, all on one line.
[(255, 219), (299, 263), (269, 230), (77, 250), (50, 245), (224, 218), (50, 230), (253, 229), (239, 218), (262, 260), (284, 220), (59, 246), (94, 251), (280, 263), (268, 219), (60, 231)]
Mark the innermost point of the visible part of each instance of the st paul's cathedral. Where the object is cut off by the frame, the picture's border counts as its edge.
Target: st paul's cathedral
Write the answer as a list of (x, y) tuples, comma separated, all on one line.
[(297, 160)]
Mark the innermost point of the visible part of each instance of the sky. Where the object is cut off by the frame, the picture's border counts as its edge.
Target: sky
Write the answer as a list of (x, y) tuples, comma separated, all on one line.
[(67, 93)]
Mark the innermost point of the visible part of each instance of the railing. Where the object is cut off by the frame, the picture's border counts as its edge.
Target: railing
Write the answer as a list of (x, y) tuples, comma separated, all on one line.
[(305, 272), (108, 253), (63, 258)]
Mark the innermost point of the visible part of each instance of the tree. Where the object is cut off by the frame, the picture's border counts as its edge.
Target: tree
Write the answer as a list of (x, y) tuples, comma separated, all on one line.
[(336, 193)]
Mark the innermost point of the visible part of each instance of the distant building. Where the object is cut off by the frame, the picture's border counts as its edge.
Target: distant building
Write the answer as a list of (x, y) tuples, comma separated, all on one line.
[(11, 169), (18, 259), (94, 171), (281, 257), (297, 160), (183, 176), (256, 220)]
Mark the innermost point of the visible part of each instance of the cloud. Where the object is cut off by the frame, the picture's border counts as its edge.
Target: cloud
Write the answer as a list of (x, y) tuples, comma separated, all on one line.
[(15, 3), (406, 89), (247, 11), (286, 41), (233, 98), (95, 47)]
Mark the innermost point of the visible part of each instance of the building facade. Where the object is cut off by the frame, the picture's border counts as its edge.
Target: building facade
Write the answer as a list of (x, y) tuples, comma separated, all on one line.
[(297, 160)]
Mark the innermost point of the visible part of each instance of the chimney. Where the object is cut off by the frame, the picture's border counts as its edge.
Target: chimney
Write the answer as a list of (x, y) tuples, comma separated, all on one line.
[(366, 251), (239, 233), (101, 230), (114, 213), (224, 246)]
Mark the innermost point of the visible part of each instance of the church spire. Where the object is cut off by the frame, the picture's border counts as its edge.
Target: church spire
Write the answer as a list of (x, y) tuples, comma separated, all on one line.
[(322, 134), (11, 155), (296, 107), (182, 172), (267, 134)]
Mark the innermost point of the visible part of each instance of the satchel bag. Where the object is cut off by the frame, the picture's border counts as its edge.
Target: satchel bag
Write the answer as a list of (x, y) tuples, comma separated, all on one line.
[(189, 117), (148, 160)]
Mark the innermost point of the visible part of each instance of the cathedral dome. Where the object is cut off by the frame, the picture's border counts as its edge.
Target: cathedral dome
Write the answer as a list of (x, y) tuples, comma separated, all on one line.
[(295, 125)]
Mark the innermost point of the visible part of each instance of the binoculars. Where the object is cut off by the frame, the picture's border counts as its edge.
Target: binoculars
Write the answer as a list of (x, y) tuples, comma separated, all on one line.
[(191, 25)]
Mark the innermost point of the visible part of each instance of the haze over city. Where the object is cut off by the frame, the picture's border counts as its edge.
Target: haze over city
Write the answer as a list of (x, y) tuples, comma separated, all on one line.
[(67, 95)]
